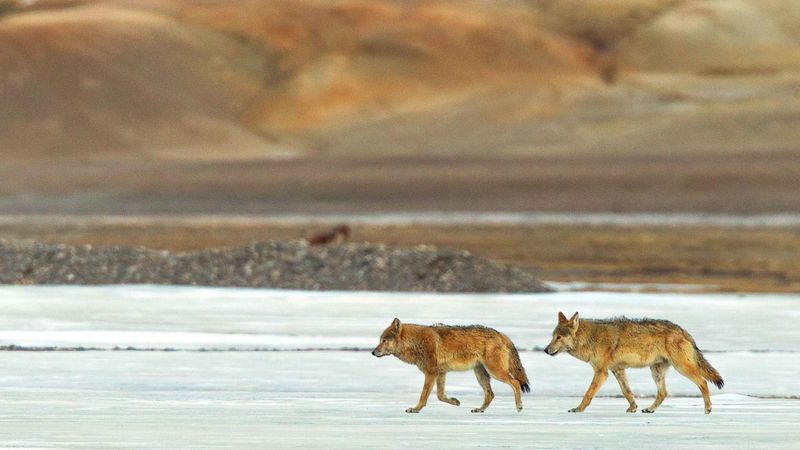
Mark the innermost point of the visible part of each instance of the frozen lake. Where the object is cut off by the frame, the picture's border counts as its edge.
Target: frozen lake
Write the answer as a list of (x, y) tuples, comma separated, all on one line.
[(238, 368)]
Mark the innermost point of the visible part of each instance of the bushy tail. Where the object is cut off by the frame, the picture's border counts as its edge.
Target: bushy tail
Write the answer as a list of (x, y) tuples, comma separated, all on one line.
[(517, 371), (707, 370)]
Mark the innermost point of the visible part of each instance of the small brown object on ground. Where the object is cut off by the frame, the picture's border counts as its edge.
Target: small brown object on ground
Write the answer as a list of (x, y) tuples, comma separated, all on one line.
[(337, 235)]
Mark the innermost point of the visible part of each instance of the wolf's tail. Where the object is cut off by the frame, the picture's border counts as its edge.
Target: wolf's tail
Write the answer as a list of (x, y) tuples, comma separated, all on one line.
[(516, 369), (707, 370)]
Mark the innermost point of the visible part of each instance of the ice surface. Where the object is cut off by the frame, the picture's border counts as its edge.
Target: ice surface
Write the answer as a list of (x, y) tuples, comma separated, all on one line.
[(350, 399), (162, 316)]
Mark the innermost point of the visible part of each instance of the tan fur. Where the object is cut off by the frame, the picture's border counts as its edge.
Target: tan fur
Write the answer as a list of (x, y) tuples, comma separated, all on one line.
[(439, 349), (618, 344)]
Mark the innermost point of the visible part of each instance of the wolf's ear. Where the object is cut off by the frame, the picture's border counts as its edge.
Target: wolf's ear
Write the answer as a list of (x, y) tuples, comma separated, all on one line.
[(574, 321), (396, 324), (561, 317)]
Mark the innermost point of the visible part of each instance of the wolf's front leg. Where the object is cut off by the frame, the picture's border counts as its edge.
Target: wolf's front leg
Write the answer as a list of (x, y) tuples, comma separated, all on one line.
[(600, 376), (426, 392), (619, 374), (485, 382), (440, 394)]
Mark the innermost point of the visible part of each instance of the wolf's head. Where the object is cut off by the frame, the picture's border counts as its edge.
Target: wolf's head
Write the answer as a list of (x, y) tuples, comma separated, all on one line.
[(389, 338), (563, 335)]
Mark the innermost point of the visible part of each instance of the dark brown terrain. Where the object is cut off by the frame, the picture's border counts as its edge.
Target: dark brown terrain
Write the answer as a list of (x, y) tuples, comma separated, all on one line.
[(705, 183)]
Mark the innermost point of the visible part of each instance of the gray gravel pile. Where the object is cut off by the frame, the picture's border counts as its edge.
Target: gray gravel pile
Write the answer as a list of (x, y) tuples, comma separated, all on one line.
[(270, 264)]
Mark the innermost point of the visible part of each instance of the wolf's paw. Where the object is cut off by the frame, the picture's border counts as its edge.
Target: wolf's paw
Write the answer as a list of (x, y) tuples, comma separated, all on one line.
[(648, 411), (477, 410), (450, 401), (519, 408), (708, 411), (632, 409), (412, 410), (576, 410)]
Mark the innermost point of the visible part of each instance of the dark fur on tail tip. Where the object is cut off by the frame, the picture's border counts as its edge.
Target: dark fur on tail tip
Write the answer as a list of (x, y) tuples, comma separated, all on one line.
[(719, 384), (525, 388)]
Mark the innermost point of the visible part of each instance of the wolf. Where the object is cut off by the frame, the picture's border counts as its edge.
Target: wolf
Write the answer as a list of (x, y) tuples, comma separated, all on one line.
[(620, 343), (438, 349)]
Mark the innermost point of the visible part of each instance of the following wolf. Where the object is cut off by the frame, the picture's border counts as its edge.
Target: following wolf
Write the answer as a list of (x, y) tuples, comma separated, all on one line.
[(438, 349), (617, 344)]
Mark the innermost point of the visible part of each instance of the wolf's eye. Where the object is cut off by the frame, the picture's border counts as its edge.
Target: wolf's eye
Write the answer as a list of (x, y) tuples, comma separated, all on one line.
[(558, 337), (383, 340)]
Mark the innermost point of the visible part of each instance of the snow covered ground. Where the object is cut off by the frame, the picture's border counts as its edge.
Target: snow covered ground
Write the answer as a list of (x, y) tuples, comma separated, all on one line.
[(275, 369)]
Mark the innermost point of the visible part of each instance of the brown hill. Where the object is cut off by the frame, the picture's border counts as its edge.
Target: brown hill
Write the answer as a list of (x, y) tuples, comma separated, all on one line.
[(730, 37), (219, 79), (364, 58), (101, 79)]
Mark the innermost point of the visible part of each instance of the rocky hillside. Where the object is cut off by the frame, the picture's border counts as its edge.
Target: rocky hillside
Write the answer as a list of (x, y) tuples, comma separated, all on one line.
[(270, 264)]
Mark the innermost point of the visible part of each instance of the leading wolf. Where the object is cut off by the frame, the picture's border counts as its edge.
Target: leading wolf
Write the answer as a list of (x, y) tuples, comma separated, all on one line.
[(618, 344), (439, 349)]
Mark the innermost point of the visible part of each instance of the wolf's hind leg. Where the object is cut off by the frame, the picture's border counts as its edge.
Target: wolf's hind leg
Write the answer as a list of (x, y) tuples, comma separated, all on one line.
[(619, 374), (483, 379), (440, 391), (659, 371), (689, 368), (505, 377), (426, 392), (600, 376)]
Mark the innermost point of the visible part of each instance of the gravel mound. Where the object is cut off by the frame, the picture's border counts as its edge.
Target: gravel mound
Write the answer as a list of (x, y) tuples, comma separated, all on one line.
[(269, 264)]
